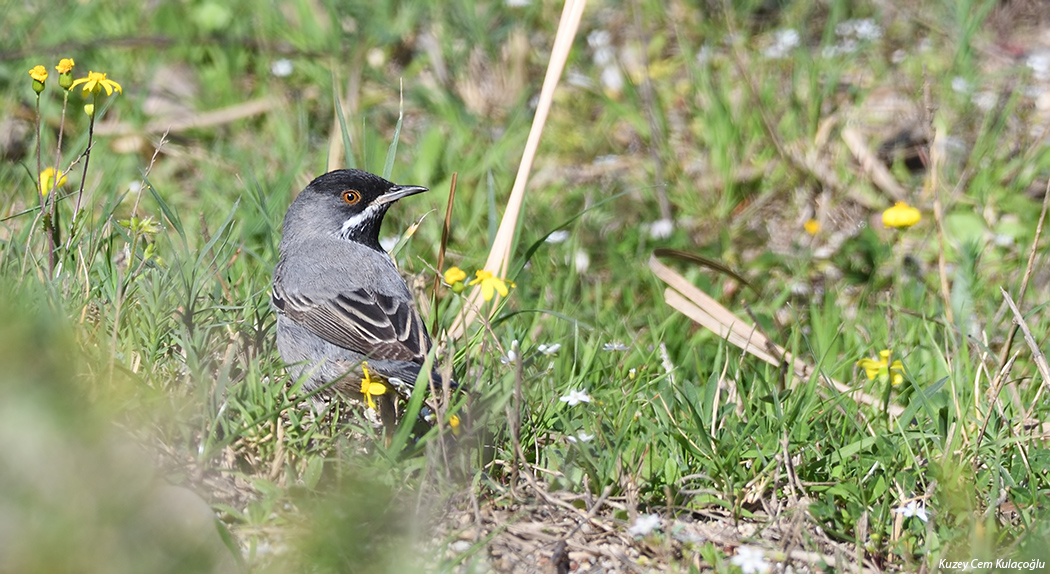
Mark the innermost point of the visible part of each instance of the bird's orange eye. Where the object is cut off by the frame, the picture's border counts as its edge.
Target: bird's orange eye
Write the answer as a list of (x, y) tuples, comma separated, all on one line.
[(350, 196)]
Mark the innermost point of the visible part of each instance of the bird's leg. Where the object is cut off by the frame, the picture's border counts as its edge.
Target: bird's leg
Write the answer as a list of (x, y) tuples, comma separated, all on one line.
[(387, 404)]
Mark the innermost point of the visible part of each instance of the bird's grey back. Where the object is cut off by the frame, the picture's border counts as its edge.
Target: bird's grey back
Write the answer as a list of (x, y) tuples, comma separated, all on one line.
[(337, 266)]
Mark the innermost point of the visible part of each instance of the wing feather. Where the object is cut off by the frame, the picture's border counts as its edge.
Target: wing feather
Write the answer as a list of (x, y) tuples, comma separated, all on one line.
[(374, 324)]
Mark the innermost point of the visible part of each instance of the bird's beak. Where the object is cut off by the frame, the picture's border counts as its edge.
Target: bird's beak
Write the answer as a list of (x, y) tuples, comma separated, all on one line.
[(397, 192)]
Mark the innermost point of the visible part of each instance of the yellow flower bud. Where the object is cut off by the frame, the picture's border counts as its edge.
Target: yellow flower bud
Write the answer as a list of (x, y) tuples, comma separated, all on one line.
[(39, 75), (454, 275), (65, 70)]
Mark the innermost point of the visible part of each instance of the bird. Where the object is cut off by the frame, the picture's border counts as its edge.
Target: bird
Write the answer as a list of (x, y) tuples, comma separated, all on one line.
[(345, 316)]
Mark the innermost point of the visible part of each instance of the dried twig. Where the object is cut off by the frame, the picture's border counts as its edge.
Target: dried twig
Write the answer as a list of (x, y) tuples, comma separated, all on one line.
[(444, 239), (1037, 355), (933, 186), (1029, 268), (870, 164)]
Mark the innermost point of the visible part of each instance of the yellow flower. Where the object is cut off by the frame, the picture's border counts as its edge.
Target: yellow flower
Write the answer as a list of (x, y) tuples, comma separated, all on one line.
[(812, 226), (39, 75), (882, 368), (490, 284), (47, 178), (901, 215), (454, 277), (369, 388), (454, 422), (65, 70), (95, 82)]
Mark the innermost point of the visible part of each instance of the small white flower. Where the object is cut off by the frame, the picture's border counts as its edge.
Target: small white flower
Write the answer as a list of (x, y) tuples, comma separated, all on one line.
[(580, 437), (644, 524), (615, 346), (1040, 65), (388, 243), (611, 78), (604, 56), (784, 41), (512, 355), (665, 360), (558, 236), (985, 100), (582, 261), (375, 57), (750, 560), (704, 54), (599, 38), (913, 509), (576, 397), (549, 349), (661, 229), (281, 68), (866, 29), (517, 3)]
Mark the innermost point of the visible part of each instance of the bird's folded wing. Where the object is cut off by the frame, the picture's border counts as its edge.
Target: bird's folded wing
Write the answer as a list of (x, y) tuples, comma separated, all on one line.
[(373, 324)]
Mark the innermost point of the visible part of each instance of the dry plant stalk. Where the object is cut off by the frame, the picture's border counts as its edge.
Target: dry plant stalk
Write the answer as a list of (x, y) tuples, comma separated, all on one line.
[(1004, 352), (201, 120), (702, 308), (1037, 355), (499, 255), (871, 166)]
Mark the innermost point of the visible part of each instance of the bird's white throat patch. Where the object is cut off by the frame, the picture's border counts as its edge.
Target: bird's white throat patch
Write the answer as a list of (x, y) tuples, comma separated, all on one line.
[(359, 220)]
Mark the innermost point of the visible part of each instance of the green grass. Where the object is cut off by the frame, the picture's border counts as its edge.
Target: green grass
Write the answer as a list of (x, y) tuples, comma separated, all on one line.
[(147, 358)]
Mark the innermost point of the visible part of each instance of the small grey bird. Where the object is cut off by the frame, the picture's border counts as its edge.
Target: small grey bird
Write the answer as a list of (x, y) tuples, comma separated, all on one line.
[(339, 298)]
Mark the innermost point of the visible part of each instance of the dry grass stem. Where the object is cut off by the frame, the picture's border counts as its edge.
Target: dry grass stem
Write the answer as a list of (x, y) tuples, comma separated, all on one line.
[(499, 255), (214, 118), (872, 166), (1037, 355), (702, 308)]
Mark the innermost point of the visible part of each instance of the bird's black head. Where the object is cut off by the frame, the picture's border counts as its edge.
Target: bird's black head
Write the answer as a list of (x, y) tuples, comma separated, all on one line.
[(349, 203)]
